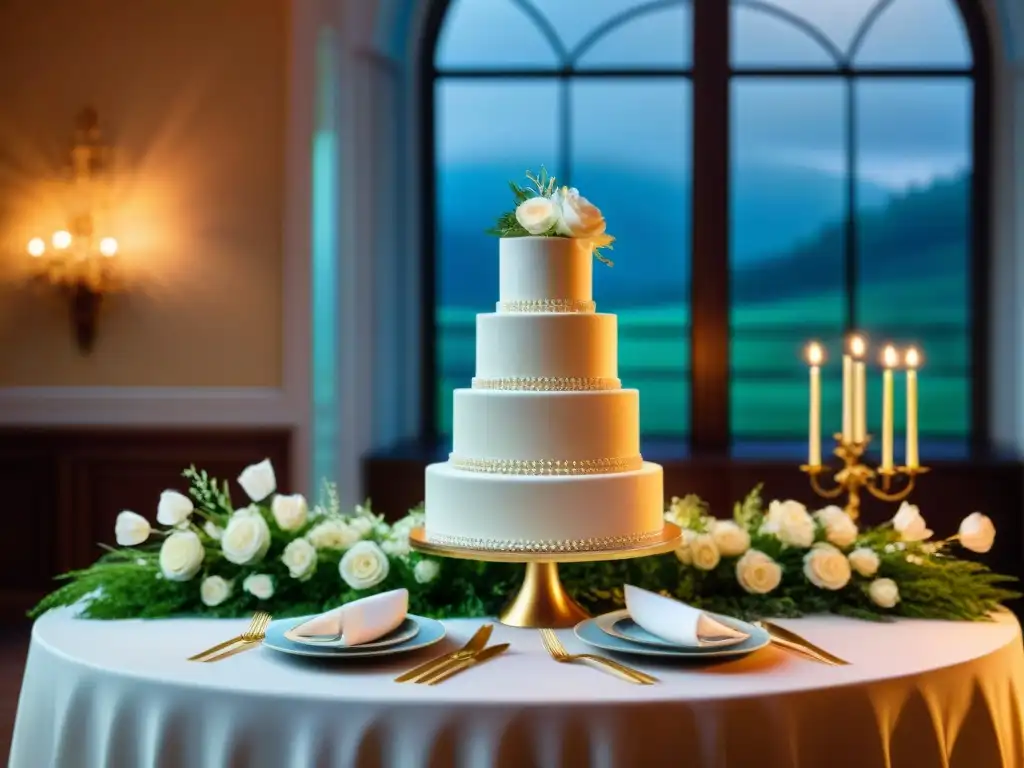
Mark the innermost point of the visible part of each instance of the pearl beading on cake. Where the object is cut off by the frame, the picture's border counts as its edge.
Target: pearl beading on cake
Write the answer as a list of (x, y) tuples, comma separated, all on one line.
[(527, 545), (549, 384), (548, 305), (547, 466)]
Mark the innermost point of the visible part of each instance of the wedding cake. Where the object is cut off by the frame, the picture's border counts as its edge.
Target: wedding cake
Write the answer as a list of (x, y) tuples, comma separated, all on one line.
[(546, 442)]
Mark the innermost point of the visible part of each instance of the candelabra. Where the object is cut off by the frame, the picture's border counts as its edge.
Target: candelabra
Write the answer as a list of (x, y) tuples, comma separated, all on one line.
[(854, 476)]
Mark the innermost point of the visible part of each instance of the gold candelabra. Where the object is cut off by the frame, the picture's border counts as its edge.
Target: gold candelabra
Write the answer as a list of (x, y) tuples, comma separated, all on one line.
[(854, 476)]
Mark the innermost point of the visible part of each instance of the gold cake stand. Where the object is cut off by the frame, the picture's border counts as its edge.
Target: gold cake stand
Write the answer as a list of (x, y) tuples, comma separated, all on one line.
[(542, 600)]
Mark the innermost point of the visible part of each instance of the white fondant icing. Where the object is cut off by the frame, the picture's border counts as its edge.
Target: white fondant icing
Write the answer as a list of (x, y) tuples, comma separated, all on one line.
[(546, 345), (494, 424), (522, 508), (534, 268)]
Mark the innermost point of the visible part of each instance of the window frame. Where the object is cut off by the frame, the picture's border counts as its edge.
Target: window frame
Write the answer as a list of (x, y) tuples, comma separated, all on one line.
[(711, 72)]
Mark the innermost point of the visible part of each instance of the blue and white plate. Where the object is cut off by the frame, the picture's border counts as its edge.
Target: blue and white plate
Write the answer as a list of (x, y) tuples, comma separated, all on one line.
[(428, 632), (617, 632), (407, 630)]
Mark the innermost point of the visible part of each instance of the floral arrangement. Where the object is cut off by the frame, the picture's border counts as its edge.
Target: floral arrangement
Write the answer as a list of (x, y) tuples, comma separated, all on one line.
[(548, 210), (278, 553)]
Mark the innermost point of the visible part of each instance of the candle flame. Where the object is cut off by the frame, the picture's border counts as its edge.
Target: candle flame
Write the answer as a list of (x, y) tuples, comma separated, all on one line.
[(889, 356), (913, 358), (815, 354), (857, 346)]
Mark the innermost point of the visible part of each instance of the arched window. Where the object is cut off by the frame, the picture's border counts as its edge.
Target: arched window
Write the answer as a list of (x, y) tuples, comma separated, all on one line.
[(827, 154)]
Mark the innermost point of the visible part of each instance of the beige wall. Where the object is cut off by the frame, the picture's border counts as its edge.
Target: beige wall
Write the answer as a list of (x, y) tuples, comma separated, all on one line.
[(192, 95)]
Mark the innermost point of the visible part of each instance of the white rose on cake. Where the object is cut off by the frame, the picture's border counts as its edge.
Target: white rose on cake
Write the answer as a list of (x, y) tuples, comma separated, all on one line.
[(826, 567), (259, 585), (247, 536), (258, 480), (290, 512), (181, 555), (174, 508), (730, 538), (131, 529), (537, 215), (790, 522), (364, 566), (757, 573), (864, 561), (214, 590), (909, 523), (839, 526), (578, 217), (977, 532), (299, 557)]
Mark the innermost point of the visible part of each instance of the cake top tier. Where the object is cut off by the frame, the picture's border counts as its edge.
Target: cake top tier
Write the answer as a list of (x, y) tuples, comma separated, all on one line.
[(545, 274)]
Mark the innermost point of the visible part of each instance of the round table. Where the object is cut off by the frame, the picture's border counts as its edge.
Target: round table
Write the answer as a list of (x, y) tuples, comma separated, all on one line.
[(917, 693)]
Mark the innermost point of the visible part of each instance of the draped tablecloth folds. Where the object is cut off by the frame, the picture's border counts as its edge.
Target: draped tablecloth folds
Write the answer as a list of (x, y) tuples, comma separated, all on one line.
[(120, 694)]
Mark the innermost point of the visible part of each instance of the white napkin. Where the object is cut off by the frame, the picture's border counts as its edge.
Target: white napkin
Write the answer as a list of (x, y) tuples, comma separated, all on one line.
[(678, 622), (361, 621)]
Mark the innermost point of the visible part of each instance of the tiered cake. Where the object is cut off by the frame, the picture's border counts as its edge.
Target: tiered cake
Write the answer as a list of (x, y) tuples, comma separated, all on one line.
[(546, 444)]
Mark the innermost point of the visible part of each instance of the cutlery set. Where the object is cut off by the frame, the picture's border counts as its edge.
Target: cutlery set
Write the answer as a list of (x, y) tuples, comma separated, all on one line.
[(476, 652)]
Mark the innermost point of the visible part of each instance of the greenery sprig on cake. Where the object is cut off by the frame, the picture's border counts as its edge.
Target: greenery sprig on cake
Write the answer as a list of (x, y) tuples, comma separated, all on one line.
[(280, 554), (549, 210)]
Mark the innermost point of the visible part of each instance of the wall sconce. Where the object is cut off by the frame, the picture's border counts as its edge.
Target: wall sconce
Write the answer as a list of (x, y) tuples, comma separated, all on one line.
[(79, 261)]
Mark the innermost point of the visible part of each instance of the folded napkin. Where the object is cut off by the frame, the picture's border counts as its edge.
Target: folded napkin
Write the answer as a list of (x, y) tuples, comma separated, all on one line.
[(678, 622), (361, 621)]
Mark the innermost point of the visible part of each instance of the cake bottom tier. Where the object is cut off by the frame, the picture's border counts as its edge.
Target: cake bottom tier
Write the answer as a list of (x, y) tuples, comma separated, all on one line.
[(529, 513)]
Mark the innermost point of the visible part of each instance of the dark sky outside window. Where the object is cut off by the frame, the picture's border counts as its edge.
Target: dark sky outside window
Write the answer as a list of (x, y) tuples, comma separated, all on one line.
[(804, 135)]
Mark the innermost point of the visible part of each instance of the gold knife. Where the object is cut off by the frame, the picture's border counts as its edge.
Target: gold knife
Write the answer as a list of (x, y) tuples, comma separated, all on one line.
[(790, 640), (476, 643), (443, 674)]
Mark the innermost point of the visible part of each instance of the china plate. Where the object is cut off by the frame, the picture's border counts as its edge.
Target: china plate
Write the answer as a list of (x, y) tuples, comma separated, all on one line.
[(428, 632), (623, 627), (407, 630), (595, 632)]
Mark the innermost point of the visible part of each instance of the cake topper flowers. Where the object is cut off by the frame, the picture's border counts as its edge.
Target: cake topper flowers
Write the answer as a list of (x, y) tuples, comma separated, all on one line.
[(549, 210)]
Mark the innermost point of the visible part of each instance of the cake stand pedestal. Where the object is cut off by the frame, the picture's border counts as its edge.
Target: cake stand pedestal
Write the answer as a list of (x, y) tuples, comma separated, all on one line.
[(542, 600)]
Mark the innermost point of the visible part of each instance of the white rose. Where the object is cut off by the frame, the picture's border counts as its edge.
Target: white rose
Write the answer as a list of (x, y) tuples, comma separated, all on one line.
[(537, 215), (181, 555), (214, 590), (247, 537), (259, 585), (290, 512), (864, 561), (364, 566), (757, 573), (839, 526), (213, 530), (333, 534), (704, 552), (790, 522), (258, 480), (730, 538), (578, 217), (425, 571), (300, 559), (909, 523), (363, 527), (683, 552), (174, 508), (131, 529), (884, 593), (396, 547), (977, 532), (826, 567)]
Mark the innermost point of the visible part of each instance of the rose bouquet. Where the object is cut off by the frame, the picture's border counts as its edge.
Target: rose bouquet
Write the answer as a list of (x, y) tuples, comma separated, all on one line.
[(278, 553), (549, 210)]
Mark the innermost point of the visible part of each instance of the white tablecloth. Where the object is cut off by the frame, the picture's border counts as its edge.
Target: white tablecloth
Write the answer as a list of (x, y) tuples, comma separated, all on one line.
[(919, 694)]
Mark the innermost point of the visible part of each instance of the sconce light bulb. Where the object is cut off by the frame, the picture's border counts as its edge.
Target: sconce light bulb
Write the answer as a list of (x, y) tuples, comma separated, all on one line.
[(61, 240), (108, 246), (36, 247)]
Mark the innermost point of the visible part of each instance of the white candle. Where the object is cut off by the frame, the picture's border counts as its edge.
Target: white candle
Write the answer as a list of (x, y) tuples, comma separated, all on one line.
[(847, 399), (889, 360), (913, 359), (857, 348), (814, 357)]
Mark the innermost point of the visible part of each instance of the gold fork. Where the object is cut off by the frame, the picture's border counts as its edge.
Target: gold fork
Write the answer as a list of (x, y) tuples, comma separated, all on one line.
[(557, 651), (255, 631)]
